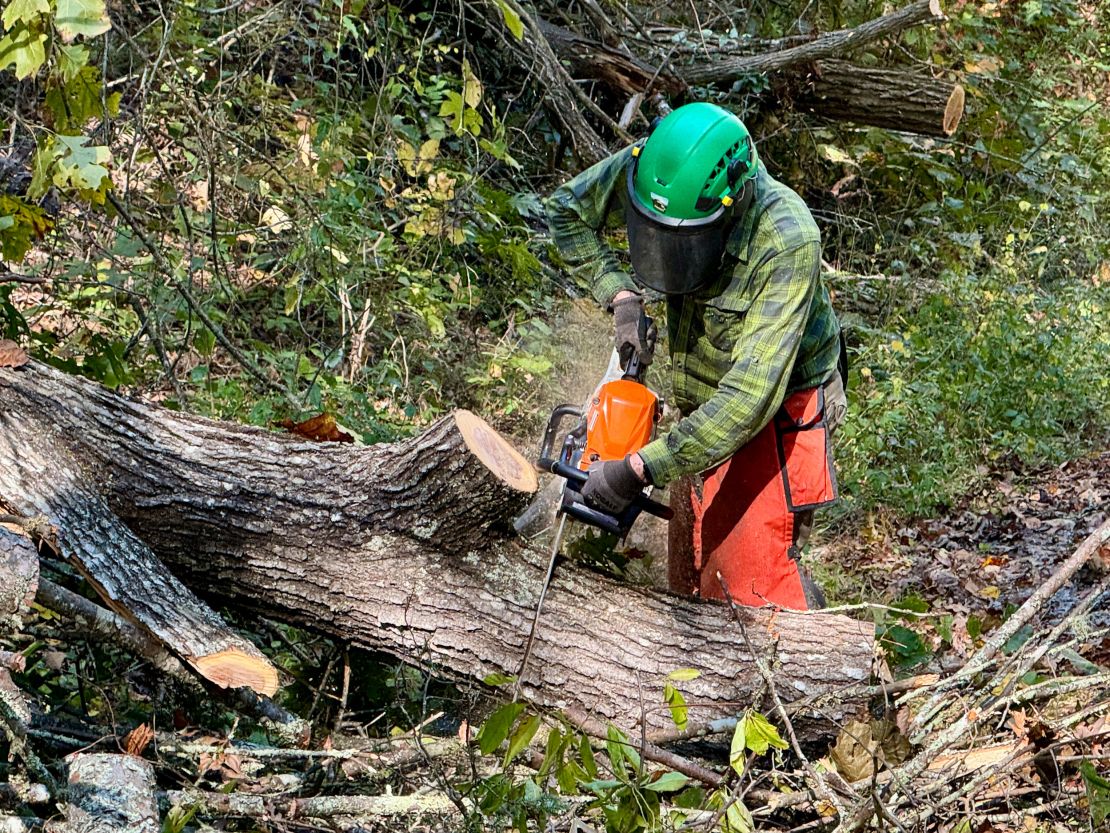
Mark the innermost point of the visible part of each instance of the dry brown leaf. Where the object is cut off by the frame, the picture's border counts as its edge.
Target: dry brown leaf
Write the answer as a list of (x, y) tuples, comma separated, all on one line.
[(320, 428), (136, 741), (11, 354)]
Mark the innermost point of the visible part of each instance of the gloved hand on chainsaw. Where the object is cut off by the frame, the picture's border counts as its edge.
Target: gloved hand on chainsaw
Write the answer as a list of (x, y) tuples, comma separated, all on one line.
[(612, 485), (634, 335)]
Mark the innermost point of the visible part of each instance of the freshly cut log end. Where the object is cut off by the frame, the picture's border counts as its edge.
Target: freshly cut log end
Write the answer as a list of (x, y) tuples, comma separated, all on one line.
[(954, 110), (495, 453), (231, 668), (111, 794)]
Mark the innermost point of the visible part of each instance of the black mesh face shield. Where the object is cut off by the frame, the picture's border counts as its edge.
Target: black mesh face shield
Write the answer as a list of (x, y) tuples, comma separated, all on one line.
[(674, 256)]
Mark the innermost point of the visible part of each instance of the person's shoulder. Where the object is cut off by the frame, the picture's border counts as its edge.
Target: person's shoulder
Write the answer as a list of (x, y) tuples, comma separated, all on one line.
[(785, 221)]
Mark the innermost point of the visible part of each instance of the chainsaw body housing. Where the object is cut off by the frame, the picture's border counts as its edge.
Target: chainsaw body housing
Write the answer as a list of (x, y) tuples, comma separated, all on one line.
[(619, 421)]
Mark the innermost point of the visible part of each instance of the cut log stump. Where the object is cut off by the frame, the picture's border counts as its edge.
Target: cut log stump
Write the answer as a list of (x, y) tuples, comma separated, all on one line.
[(408, 548)]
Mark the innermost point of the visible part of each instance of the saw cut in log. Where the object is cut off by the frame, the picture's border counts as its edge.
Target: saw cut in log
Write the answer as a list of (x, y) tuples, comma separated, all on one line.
[(111, 794), (408, 548), (19, 577), (890, 98), (122, 568)]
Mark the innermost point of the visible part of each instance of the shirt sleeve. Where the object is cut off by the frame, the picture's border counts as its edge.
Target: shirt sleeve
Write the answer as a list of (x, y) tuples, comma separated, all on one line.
[(576, 212), (766, 340)]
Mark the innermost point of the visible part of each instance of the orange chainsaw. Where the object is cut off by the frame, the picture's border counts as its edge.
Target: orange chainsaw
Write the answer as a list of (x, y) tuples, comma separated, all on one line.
[(619, 421)]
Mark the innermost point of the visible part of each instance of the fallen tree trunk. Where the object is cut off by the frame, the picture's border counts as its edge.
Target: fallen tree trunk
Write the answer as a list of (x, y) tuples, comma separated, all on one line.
[(890, 98), (406, 548)]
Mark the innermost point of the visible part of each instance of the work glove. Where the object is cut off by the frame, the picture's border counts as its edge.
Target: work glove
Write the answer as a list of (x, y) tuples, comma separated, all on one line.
[(611, 487), (634, 336)]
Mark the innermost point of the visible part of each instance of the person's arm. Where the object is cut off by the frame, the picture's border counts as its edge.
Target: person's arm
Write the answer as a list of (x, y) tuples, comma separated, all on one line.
[(766, 340), (576, 212)]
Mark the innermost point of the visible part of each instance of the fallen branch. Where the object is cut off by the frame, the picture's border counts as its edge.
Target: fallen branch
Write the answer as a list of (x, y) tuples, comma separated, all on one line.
[(278, 807), (1091, 547), (828, 45), (19, 574), (14, 719), (895, 99)]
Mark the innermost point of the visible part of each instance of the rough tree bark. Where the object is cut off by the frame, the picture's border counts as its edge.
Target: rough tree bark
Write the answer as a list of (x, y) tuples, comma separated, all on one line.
[(890, 98), (19, 577), (126, 574), (111, 794), (406, 548)]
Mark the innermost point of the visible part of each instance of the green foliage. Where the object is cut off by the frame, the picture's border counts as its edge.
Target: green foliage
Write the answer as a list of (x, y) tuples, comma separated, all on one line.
[(987, 371), (38, 37)]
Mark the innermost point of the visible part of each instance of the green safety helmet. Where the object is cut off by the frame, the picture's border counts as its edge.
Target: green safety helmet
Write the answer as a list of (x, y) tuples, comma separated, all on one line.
[(689, 179)]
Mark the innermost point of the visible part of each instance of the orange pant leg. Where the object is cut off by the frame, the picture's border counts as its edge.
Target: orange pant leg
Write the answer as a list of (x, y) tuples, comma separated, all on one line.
[(744, 529)]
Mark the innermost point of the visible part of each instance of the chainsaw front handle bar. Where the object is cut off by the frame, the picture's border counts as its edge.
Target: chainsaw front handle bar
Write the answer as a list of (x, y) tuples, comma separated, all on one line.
[(578, 476)]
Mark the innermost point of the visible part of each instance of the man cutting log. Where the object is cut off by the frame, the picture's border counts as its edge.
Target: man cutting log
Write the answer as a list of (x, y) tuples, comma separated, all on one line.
[(756, 350)]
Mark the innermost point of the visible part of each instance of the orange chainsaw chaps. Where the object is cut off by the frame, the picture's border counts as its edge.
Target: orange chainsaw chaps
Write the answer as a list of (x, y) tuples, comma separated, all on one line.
[(620, 420)]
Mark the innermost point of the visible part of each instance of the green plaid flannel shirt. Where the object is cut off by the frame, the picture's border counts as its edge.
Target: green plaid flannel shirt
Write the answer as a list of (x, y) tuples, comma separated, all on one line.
[(765, 328)]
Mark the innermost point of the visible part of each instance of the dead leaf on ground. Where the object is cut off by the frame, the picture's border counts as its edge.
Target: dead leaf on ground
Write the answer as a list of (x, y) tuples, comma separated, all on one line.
[(12, 355), (321, 428), (136, 741)]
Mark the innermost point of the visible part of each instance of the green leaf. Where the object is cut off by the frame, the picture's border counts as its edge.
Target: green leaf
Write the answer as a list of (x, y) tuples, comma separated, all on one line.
[(1098, 793), (668, 782), (24, 10), (759, 734), (684, 675), (553, 754), (904, 647), (498, 679), (586, 753), (80, 166), (737, 749), (497, 726), (25, 49), (737, 819), (512, 20), (522, 737), (673, 698), (81, 17), (71, 59), (77, 101)]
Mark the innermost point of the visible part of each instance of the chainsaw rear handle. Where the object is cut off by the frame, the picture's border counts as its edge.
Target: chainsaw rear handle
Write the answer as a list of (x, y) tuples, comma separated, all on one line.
[(579, 477)]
